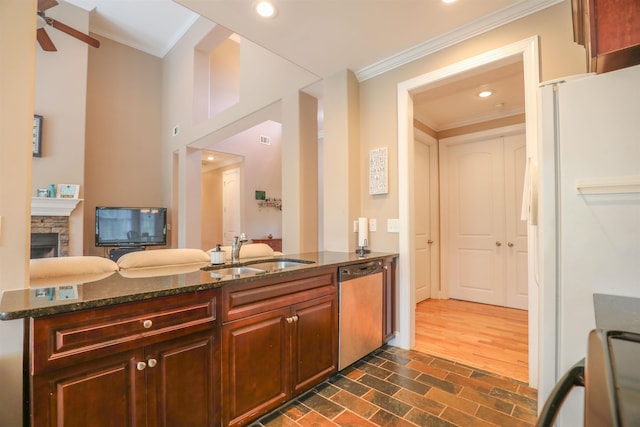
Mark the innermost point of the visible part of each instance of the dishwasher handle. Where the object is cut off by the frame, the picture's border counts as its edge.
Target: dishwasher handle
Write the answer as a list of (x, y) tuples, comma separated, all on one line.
[(349, 272)]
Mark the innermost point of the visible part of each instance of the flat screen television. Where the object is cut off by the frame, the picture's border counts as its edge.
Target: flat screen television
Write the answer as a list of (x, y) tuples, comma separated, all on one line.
[(131, 227)]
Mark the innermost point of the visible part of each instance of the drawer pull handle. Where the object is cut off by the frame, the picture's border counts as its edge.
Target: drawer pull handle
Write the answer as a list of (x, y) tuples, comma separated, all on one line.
[(147, 324), (140, 366), (152, 362)]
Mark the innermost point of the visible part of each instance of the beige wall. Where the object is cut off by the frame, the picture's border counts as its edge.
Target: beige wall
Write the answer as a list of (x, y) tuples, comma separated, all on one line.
[(123, 158), (560, 56), (265, 79), (17, 48), (61, 91)]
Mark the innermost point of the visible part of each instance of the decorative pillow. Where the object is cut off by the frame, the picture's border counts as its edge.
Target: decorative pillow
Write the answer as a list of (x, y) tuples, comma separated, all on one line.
[(162, 258), (163, 270), (250, 250), (69, 270)]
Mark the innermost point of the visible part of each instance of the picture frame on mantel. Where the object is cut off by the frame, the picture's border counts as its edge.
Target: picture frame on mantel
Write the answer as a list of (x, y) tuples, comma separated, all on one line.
[(37, 135), (68, 191)]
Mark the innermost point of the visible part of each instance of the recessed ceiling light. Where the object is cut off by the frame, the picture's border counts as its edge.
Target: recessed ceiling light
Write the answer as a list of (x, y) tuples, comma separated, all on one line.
[(210, 158), (485, 93), (266, 9), (449, 1)]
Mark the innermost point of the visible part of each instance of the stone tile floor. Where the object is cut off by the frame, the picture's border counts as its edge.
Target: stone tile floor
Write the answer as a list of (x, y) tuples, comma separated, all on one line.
[(396, 387)]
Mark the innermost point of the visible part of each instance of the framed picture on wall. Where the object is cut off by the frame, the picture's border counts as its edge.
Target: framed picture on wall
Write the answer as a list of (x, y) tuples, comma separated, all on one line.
[(37, 136)]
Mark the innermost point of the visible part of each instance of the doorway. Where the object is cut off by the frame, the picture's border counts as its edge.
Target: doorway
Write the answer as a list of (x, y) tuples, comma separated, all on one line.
[(528, 50)]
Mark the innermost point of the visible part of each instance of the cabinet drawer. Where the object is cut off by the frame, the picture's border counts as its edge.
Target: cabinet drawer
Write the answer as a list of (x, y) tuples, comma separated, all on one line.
[(257, 297), (69, 338)]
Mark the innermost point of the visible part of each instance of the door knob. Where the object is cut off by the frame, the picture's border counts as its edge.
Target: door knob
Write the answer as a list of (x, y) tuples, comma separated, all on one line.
[(498, 244), (510, 244), (429, 241)]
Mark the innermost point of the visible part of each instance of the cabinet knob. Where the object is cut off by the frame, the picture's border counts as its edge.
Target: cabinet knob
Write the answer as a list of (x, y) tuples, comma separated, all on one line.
[(140, 366), (510, 244), (295, 317), (147, 324), (289, 319), (152, 362), (498, 244)]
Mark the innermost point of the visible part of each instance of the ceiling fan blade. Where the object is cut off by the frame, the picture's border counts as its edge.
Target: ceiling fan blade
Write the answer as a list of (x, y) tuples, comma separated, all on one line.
[(45, 42), (46, 4), (73, 32)]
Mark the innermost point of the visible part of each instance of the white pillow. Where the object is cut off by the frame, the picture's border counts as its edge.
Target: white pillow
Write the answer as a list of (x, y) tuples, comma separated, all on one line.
[(69, 270), (163, 270), (162, 258), (249, 250)]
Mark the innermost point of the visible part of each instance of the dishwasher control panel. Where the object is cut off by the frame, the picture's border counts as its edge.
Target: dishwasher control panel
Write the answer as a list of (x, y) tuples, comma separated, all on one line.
[(349, 272)]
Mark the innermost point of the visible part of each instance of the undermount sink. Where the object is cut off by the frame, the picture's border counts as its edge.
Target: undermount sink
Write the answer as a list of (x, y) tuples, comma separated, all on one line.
[(235, 271), (271, 266)]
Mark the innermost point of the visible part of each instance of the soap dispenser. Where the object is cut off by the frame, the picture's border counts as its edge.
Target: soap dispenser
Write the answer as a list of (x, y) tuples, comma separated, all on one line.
[(218, 256)]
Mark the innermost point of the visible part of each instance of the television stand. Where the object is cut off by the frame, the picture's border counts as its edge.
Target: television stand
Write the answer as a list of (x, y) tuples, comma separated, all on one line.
[(116, 253)]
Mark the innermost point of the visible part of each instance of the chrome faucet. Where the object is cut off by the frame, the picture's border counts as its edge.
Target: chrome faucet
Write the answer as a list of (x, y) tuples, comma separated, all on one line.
[(236, 245)]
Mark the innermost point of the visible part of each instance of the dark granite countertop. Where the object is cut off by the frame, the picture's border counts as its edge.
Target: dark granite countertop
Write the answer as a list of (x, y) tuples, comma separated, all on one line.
[(150, 283)]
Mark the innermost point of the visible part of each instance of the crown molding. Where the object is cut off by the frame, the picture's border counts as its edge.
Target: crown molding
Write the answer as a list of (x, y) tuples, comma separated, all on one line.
[(473, 29)]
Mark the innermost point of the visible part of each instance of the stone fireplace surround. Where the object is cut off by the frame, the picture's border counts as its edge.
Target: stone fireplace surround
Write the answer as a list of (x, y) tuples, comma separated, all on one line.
[(53, 225), (50, 215)]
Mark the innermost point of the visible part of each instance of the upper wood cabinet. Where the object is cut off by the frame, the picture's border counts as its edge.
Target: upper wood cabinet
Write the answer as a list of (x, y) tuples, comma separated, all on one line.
[(610, 32)]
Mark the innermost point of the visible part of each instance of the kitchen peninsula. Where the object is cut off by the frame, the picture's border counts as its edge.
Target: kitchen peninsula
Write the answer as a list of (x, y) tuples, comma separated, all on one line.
[(208, 347)]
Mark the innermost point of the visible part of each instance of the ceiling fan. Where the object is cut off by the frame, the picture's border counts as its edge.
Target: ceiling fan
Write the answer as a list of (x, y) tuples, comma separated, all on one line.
[(43, 37)]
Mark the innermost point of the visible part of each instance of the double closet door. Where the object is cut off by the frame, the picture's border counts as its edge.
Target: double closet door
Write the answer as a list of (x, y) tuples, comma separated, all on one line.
[(485, 241)]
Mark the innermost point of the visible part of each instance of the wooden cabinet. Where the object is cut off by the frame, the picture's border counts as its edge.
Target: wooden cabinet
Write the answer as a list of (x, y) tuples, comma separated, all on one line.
[(275, 244), (609, 31), (149, 363), (279, 339), (389, 299)]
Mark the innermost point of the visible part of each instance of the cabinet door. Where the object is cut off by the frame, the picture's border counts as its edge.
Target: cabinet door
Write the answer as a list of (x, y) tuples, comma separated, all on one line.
[(315, 342), (183, 382), (107, 392), (255, 365), (389, 300)]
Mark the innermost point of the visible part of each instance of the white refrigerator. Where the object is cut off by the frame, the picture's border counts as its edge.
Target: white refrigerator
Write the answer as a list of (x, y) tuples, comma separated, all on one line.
[(589, 214)]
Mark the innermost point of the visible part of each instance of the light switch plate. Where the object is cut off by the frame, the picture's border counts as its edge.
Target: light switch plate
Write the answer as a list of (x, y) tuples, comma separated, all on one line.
[(393, 225), (372, 224)]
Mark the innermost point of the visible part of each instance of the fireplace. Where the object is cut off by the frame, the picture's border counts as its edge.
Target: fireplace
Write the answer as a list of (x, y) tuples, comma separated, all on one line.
[(49, 236), (44, 245)]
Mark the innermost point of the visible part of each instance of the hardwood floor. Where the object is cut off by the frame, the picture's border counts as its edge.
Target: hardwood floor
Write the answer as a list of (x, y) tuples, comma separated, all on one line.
[(483, 336)]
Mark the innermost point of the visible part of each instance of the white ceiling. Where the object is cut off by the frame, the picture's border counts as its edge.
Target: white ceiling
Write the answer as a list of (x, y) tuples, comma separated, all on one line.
[(327, 36)]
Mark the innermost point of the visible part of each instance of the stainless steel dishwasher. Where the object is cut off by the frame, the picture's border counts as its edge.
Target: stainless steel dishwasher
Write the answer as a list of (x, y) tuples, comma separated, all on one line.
[(361, 290)]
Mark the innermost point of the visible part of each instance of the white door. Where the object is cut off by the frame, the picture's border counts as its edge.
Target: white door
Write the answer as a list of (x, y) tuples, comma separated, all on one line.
[(230, 205), (486, 246), (515, 155), (426, 216)]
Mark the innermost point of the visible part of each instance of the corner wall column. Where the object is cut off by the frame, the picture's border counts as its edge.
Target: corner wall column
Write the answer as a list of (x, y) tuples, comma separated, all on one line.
[(341, 172)]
